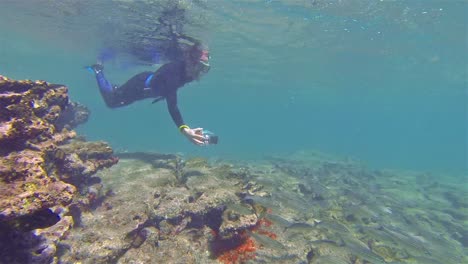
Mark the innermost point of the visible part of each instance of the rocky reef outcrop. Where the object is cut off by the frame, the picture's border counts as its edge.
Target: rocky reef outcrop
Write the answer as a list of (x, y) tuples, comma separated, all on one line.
[(44, 168)]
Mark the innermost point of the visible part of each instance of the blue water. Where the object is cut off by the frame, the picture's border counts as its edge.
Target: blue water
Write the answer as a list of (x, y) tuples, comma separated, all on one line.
[(383, 82)]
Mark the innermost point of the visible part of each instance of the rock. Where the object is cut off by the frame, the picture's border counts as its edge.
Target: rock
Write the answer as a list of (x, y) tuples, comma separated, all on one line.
[(42, 167), (233, 223)]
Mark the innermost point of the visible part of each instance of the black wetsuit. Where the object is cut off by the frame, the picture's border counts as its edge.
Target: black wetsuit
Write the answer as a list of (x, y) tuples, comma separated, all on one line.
[(162, 84)]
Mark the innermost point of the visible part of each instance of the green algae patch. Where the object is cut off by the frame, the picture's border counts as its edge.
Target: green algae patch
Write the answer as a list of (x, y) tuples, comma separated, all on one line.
[(30, 187)]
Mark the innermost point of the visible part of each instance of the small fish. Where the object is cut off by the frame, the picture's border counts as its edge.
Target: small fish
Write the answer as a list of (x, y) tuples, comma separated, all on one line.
[(362, 210), (328, 259), (276, 259), (267, 241), (401, 238), (266, 202), (426, 260), (360, 249), (328, 241), (387, 209), (299, 227), (292, 201), (376, 233), (333, 226), (278, 220), (240, 208)]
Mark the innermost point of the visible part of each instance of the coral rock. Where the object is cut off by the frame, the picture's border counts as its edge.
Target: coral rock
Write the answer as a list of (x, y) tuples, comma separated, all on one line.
[(41, 167)]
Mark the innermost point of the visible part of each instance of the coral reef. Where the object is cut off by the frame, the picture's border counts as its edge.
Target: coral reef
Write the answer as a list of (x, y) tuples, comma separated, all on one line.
[(168, 209), (43, 167)]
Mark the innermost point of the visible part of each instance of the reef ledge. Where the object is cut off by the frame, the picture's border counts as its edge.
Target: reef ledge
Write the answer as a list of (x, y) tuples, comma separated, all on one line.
[(45, 168)]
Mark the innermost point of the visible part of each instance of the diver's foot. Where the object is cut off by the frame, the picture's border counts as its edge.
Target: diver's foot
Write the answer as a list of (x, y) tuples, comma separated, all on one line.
[(95, 68)]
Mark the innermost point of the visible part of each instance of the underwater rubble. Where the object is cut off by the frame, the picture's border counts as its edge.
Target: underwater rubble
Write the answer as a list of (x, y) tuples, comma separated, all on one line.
[(45, 168)]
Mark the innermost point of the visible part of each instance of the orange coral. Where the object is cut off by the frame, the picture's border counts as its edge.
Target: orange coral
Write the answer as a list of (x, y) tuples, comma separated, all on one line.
[(242, 248), (239, 254)]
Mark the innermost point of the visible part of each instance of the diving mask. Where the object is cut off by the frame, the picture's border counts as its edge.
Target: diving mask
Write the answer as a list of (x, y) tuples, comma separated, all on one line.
[(205, 58)]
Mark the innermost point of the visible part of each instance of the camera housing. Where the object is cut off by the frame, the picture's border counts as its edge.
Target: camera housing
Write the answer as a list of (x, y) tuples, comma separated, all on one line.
[(213, 139)]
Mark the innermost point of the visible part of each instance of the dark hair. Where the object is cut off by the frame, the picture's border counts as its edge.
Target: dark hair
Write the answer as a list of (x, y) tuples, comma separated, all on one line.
[(191, 48), (195, 52)]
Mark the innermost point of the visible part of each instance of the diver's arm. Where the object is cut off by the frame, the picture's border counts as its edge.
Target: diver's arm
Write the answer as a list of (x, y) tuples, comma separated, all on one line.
[(194, 135), (173, 109)]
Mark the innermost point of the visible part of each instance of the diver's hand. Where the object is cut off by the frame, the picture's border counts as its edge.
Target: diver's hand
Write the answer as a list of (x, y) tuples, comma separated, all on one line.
[(195, 135)]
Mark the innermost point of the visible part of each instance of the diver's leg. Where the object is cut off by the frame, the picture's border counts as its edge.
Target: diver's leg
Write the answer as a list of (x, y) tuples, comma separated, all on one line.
[(108, 91), (134, 89), (105, 87)]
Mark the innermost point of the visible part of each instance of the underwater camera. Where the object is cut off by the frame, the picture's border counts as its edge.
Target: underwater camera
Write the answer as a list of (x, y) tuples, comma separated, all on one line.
[(210, 137)]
